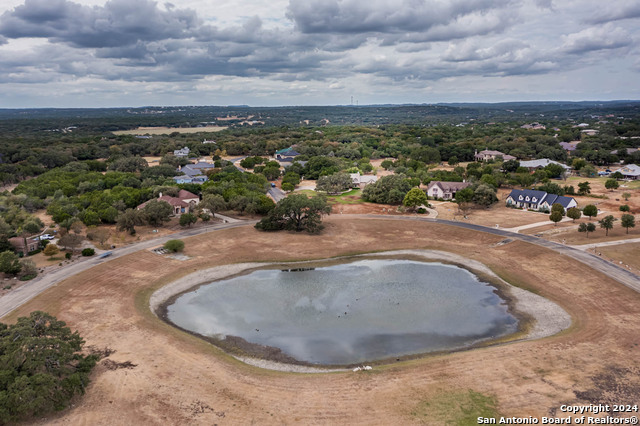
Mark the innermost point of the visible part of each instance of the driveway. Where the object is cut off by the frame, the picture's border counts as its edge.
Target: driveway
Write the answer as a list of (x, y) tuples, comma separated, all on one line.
[(277, 194)]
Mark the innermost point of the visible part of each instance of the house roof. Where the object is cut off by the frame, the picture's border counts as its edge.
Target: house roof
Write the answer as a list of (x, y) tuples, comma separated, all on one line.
[(493, 153), (543, 162), (531, 193), (552, 199), (569, 146), (629, 151), (176, 202), (448, 186), (185, 195), (287, 152), (195, 169), (358, 178), (629, 170)]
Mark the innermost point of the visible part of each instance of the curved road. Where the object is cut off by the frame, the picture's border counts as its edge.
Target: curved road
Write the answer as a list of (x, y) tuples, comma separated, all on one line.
[(21, 295), (31, 289)]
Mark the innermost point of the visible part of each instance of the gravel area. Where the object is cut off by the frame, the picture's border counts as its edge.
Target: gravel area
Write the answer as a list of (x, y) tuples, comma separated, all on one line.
[(549, 318)]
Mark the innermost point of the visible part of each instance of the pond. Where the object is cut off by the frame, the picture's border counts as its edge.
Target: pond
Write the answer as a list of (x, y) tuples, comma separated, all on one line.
[(348, 313)]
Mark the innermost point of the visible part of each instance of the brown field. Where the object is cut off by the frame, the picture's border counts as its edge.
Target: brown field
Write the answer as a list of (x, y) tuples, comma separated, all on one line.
[(180, 379), (625, 253), (169, 130)]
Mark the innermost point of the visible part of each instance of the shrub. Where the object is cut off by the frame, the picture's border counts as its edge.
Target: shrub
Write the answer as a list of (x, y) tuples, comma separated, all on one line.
[(88, 252), (174, 245), (67, 255), (625, 208)]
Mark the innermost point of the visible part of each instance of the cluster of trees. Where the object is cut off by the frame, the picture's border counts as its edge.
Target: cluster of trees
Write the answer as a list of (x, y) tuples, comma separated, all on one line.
[(42, 367), (335, 183), (16, 218), (76, 193), (298, 213), (390, 189)]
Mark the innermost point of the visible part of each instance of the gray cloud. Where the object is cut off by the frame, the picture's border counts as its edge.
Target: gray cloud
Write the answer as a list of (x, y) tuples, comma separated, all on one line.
[(118, 23), (614, 11), (382, 16)]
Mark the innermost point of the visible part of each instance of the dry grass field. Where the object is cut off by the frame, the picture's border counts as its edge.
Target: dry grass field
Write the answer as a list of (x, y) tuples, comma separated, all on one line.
[(628, 254), (169, 130), (180, 379)]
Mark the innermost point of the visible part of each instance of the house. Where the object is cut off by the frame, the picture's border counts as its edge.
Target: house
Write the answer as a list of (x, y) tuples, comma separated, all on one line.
[(24, 245), (487, 155), (538, 200), (589, 132), (625, 151), (445, 190), (360, 181), (198, 179), (183, 203), (286, 155), (534, 165), (569, 146), (533, 126), (183, 152), (197, 169), (630, 171)]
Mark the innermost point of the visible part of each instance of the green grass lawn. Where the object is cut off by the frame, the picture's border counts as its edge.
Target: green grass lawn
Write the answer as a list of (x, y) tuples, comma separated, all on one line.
[(350, 197)]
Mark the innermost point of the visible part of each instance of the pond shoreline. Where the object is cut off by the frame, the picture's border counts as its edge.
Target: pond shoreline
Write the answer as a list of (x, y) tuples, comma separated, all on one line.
[(538, 317)]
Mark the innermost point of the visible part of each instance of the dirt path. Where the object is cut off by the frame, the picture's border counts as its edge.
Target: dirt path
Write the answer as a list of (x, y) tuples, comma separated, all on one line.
[(606, 244), (180, 379)]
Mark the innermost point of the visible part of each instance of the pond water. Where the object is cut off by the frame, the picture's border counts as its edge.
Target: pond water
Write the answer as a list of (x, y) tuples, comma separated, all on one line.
[(349, 313)]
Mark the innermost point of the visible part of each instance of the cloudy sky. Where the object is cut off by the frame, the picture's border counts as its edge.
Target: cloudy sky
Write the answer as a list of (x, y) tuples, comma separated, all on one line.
[(92, 53)]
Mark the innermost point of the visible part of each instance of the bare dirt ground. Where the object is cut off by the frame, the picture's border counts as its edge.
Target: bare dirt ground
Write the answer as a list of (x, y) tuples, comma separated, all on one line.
[(152, 161), (179, 379)]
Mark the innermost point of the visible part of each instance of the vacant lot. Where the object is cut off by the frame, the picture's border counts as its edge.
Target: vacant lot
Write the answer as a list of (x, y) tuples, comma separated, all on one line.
[(169, 130), (181, 379)]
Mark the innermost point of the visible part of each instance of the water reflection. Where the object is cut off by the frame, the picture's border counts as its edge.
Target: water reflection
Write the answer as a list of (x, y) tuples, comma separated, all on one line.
[(349, 313)]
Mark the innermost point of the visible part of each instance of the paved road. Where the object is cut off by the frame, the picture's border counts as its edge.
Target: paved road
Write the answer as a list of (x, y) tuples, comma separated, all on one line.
[(237, 166), (21, 295), (31, 289), (276, 193)]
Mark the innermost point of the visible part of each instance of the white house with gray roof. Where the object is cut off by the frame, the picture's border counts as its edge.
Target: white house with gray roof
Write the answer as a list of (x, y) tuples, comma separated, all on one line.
[(182, 152), (630, 171), (538, 200)]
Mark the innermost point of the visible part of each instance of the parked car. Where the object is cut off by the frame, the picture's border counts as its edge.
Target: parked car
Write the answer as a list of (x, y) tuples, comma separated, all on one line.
[(46, 237), (273, 185)]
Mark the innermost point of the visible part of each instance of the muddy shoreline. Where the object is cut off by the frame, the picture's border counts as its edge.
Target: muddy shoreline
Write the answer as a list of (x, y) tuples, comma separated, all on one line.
[(537, 316)]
